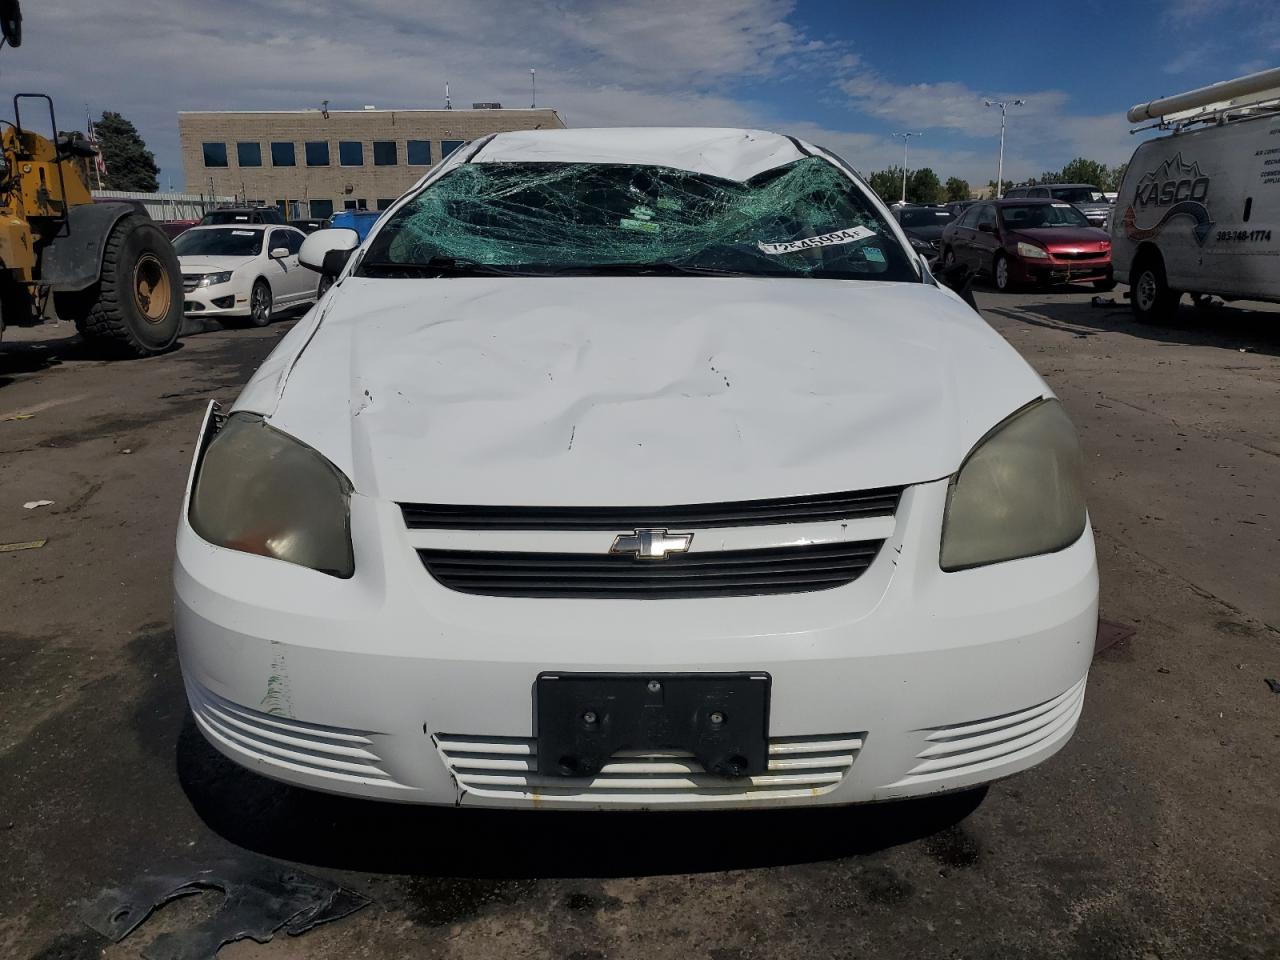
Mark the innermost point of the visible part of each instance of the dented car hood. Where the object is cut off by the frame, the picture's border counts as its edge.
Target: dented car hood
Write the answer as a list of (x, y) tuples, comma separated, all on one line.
[(647, 390)]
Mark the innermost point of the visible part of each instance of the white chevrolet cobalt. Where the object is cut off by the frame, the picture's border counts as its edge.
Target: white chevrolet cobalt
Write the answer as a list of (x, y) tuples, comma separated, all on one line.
[(246, 272), (636, 468)]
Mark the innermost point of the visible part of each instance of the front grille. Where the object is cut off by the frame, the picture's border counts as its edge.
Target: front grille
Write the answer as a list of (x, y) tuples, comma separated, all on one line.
[(725, 573), (506, 768), (881, 502), (962, 749), (1079, 254), (190, 281)]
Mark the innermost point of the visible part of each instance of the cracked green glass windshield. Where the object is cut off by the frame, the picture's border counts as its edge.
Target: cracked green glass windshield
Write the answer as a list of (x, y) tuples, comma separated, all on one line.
[(805, 219)]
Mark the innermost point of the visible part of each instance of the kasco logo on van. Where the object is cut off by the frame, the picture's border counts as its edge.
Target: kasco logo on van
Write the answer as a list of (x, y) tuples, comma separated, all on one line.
[(1182, 188)]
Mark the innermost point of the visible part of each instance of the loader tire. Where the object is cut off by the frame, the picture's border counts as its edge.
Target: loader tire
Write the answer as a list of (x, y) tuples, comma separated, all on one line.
[(135, 308)]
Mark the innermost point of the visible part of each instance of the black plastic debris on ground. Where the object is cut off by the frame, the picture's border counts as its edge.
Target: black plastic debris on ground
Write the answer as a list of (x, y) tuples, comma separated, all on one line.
[(1109, 634), (1274, 685), (260, 899)]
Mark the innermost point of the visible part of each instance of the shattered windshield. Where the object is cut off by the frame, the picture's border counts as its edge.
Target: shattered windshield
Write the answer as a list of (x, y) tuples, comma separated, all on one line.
[(805, 219)]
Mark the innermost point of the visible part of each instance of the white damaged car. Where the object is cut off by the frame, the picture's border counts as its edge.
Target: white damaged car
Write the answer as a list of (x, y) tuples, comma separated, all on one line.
[(636, 468)]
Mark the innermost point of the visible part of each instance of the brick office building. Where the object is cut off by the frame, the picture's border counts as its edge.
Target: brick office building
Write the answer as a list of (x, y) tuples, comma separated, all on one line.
[(310, 163)]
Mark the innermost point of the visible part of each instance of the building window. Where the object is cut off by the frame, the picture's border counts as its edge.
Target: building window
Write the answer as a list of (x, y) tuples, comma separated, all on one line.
[(419, 152), (448, 146), (215, 154), (317, 153), (384, 202), (321, 209), (249, 154), (384, 153), (282, 155), (351, 153)]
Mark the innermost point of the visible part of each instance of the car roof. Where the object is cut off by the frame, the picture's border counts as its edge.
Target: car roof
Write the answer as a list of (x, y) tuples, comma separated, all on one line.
[(1022, 201), (728, 153), (1091, 186), (236, 226)]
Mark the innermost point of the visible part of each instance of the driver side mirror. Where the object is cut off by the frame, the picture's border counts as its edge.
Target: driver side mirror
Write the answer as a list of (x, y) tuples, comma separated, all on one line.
[(327, 251), (279, 253), (986, 226)]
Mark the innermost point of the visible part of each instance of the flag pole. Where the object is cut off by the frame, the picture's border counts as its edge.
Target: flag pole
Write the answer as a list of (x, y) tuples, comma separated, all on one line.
[(93, 139)]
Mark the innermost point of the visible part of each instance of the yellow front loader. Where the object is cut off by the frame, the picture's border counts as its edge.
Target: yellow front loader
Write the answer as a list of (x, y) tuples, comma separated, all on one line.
[(107, 266)]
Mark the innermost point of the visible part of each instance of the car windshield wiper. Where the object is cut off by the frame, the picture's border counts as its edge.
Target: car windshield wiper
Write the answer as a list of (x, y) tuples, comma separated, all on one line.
[(660, 268), (437, 267)]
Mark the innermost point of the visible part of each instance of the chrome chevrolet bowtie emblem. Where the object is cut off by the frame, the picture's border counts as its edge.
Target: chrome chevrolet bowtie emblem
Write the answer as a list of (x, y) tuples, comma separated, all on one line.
[(650, 544)]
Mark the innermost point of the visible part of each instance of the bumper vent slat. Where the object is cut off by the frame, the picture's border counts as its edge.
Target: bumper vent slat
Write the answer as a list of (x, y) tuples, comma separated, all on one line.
[(329, 753), (880, 502), (968, 748), (728, 573), (505, 768)]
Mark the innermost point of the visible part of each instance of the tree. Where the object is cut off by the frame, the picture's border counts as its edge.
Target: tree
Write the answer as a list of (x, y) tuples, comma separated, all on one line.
[(957, 189), (1114, 177), (923, 186), (130, 165), (887, 184), (1081, 170), (991, 187)]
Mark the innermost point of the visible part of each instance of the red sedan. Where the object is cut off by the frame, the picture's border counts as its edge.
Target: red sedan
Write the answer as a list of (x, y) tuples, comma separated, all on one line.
[(1029, 241)]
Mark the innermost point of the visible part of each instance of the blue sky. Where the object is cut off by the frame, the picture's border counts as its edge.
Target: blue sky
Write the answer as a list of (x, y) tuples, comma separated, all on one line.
[(846, 75)]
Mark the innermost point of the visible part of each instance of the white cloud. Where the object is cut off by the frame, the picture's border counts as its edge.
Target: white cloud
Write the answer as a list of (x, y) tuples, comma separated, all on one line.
[(1042, 132), (599, 62)]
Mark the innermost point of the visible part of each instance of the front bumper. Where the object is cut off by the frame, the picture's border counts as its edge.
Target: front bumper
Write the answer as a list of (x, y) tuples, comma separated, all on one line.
[(1054, 270), (219, 300), (907, 681)]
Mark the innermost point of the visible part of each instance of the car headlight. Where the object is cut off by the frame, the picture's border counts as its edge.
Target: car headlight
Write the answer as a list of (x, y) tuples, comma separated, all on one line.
[(1019, 493), (1032, 251), (261, 491), (213, 279)]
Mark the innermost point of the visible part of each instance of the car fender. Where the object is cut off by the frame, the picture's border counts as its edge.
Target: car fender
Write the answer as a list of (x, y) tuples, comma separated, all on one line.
[(74, 261)]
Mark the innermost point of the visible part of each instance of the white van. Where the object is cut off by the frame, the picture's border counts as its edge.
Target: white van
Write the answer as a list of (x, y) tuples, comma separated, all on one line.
[(1199, 210)]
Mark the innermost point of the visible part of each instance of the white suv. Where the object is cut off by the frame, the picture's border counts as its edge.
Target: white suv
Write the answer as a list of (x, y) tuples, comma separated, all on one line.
[(636, 468)]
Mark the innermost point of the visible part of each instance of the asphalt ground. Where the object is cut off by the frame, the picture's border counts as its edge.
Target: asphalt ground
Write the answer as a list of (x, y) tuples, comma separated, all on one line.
[(1154, 833)]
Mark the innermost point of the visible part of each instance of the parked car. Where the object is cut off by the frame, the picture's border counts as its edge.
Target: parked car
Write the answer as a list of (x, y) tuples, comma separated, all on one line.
[(957, 207), (572, 496), (1037, 242), (1199, 208), (309, 226), (247, 272), (242, 215), (175, 228), (1088, 199), (361, 221), (923, 227)]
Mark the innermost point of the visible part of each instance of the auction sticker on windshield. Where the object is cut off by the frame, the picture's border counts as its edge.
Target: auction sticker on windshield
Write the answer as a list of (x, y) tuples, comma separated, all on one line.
[(851, 235)]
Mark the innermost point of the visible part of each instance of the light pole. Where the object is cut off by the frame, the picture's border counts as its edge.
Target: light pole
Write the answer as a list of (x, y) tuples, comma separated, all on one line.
[(1002, 104), (906, 137)]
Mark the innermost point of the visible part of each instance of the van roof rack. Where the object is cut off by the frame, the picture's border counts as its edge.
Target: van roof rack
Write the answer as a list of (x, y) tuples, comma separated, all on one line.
[(1249, 96)]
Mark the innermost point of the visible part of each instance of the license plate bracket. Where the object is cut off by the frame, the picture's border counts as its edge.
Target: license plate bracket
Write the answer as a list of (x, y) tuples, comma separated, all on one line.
[(583, 719)]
